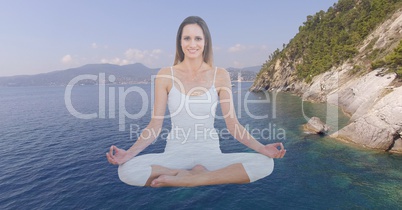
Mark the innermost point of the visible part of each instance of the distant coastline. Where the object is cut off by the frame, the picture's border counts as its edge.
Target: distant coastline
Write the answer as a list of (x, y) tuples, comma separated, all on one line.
[(109, 74)]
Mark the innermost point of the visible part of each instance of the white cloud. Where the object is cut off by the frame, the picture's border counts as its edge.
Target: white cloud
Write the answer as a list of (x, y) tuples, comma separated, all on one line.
[(237, 48), (95, 45), (242, 55), (263, 47), (237, 64), (216, 48), (132, 55), (66, 59), (142, 56), (241, 48), (116, 61)]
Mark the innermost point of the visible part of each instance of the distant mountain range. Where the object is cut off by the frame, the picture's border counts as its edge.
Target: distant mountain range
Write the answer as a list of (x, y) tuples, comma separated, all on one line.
[(243, 74), (255, 69), (127, 74)]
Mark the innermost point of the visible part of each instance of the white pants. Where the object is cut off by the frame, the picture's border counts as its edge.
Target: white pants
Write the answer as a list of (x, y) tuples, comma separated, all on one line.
[(137, 170)]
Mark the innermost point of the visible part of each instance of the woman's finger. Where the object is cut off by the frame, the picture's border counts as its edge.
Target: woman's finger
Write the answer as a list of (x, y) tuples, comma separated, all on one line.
[(283, 152), (111, 150), (282, 147), (116, 150), (109, 158), (276, 154), (278, 144)]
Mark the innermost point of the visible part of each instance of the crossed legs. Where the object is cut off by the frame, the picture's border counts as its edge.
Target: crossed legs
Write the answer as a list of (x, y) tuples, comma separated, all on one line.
[(197, 176), (159, 170)]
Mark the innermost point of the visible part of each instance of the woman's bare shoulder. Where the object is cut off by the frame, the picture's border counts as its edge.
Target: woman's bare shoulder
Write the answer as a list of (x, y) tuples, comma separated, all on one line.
[(164, 78), (164, 71), (222, 77), (221, 70)]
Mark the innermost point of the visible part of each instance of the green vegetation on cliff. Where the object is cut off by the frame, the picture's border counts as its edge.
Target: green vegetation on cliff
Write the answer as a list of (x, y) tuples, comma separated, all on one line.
[(329, 38), (392, 61)]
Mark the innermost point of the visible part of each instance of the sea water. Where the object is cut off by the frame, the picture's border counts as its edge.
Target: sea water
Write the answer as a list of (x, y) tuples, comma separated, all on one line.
[(50, 159)]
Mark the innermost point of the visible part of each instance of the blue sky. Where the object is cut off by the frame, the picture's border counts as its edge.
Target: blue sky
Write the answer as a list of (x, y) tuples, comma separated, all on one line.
[(46, 35)]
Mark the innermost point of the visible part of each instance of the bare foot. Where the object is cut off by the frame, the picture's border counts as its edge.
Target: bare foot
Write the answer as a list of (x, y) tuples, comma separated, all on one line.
[(182, 173), (181, 179), (170, 181), (198, 169)]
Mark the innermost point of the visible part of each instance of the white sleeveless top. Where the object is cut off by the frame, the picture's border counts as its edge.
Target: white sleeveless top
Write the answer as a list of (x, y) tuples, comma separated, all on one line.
[(192, 118)]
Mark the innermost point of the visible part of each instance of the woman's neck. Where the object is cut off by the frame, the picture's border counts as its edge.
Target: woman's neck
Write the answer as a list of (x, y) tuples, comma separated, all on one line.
[(192, 65)]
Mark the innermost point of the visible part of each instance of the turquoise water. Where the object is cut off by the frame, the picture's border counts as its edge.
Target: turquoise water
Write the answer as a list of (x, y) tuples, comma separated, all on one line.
[(53, 160)]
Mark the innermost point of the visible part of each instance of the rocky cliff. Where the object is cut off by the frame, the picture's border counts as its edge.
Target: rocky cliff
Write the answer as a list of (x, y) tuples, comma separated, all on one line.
[(370, 96)]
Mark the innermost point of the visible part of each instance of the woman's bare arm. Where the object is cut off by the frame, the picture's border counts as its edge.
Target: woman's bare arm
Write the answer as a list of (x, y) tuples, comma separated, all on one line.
[(223, 84), (152, 131)]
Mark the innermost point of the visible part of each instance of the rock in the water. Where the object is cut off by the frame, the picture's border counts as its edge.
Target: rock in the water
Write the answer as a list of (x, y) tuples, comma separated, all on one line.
[(315, 125), (397, 146), (379, 126)]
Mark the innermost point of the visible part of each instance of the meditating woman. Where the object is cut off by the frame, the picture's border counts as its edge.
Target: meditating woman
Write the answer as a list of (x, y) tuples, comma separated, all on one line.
[(191, 89)]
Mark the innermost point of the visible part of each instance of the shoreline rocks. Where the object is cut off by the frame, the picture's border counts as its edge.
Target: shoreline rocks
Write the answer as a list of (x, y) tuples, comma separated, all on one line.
[(380, 126), (397, 147), (315, 125), (371, 97)]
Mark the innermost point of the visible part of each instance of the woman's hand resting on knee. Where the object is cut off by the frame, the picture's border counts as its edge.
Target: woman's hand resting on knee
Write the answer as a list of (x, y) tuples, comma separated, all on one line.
[(119, 157), (272, 151)]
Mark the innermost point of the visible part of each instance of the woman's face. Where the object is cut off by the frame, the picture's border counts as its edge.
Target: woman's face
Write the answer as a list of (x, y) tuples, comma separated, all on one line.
[(192, 41)]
